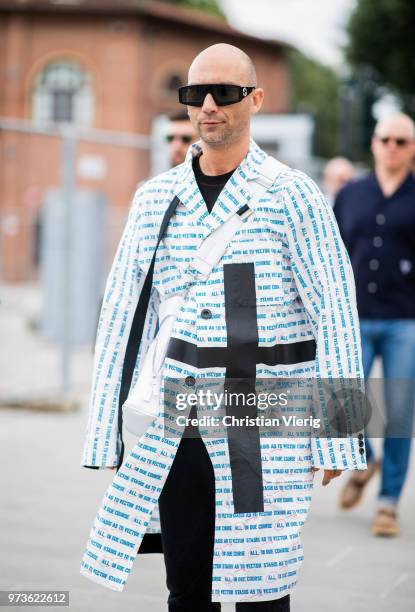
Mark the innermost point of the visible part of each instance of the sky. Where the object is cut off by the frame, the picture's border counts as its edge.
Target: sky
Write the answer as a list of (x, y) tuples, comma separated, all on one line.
[(316, 27)]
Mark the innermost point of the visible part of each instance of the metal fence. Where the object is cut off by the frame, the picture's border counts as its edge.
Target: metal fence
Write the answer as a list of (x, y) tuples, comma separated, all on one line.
[(57, 267)]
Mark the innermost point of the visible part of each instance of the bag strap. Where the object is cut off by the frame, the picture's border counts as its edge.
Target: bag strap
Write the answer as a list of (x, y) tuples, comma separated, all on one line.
[(137, 327), (213, 246), (269, 171)]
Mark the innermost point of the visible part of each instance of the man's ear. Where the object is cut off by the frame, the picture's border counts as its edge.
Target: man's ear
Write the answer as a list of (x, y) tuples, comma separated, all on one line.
[(257, 100)]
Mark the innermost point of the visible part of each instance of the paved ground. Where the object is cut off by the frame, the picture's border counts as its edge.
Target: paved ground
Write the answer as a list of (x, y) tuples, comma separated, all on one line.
[(48, 503)]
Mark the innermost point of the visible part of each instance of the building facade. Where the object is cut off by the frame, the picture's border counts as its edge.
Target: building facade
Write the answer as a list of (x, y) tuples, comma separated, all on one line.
[(97, 64)]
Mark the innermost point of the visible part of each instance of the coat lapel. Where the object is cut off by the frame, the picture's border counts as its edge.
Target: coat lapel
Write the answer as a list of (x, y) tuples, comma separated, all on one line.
[(192, 205), (233, 196)]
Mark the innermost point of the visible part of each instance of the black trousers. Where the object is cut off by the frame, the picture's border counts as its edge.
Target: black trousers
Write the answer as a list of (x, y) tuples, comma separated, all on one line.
[(187, 518)]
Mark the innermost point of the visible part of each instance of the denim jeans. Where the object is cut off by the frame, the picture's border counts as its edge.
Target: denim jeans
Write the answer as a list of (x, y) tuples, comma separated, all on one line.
[(393, 340)]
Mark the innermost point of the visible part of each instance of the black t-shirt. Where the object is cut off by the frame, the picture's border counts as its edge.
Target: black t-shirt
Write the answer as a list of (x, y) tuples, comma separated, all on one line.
[(210, 186)]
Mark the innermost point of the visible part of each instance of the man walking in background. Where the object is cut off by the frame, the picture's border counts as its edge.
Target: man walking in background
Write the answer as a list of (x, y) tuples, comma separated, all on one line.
[(337, 172), (376, 217), (180, 135)]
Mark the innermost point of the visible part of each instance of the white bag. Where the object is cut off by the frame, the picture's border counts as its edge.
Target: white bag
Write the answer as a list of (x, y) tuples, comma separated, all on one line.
[(142, 405)]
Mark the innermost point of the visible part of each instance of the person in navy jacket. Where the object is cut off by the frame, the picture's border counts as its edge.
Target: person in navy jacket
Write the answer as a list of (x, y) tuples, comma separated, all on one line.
[(376, 217)]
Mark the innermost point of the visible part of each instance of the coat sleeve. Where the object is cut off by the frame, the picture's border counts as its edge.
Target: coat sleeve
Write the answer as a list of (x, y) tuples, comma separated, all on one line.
[(102, 442), (325, 283)]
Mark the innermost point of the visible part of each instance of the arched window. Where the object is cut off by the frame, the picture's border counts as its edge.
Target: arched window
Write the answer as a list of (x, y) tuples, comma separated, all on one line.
[(173, 82), (63, 93)]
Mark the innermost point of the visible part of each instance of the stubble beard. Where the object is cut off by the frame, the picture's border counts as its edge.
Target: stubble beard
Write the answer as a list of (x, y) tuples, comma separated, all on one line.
[(222, 137)]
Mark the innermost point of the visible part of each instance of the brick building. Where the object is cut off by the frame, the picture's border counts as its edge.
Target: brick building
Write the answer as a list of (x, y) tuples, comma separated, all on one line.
[(101, 64)]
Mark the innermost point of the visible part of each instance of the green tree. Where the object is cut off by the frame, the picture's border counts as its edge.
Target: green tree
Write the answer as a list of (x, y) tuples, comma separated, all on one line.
[(210, 6), (314, 91), (381, 35)]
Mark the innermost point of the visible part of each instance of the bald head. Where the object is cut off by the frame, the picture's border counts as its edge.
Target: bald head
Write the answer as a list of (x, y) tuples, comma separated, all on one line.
[(221, 126), (397, 123), (222, 63)]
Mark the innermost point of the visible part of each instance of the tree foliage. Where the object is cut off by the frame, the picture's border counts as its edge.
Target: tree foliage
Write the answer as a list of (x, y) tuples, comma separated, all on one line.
[(314, 91), (210, 6), (381, 35)]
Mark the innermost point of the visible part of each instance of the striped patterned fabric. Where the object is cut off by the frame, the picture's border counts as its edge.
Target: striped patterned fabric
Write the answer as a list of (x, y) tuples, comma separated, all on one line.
[(294, 260)]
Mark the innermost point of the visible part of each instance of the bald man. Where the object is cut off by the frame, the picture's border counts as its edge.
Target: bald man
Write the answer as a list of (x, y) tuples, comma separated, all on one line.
[(376, 216), (337, 172), (249, 252)]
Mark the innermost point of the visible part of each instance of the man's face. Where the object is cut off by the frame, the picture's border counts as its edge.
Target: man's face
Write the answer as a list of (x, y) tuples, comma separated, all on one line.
[(180, 135), (336, 175), (393, 146), (222, 125), (338, 181)]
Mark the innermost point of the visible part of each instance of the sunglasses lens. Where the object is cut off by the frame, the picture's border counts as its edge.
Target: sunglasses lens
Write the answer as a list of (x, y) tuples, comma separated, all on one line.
[(193, 95), (184, 138), (225, 94), (400, 142)]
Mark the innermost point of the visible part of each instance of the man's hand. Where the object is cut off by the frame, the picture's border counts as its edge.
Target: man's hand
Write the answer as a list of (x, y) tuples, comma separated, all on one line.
[(328, 475)]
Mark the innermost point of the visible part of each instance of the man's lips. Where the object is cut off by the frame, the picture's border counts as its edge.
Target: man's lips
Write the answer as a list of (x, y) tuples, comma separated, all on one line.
[(211, 122)]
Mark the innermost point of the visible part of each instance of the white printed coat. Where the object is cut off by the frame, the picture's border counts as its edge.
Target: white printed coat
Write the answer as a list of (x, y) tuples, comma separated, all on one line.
[(304, 292)]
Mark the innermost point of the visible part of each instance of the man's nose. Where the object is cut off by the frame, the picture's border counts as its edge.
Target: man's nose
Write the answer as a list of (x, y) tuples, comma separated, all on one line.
[(209, 104), (392, 144)]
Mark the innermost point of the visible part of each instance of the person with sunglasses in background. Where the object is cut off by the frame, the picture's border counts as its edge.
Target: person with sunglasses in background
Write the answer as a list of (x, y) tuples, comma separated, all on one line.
[(180, 135), (267, 290), (376, 217)]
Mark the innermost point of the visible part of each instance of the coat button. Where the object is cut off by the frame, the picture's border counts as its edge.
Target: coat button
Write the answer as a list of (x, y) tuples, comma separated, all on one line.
[(361, 451), (372, 287), (374, 264), (190, 381), (377, 241), (380, 219), (361, 443), (206, 313), (360, 436)]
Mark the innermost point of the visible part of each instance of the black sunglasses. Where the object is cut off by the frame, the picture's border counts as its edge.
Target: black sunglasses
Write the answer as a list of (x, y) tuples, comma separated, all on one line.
[(223, 94), (400, 142), (186, 139)]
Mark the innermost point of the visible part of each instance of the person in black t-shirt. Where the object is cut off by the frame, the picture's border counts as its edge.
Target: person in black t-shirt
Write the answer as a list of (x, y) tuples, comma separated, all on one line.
[(210, 185)]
